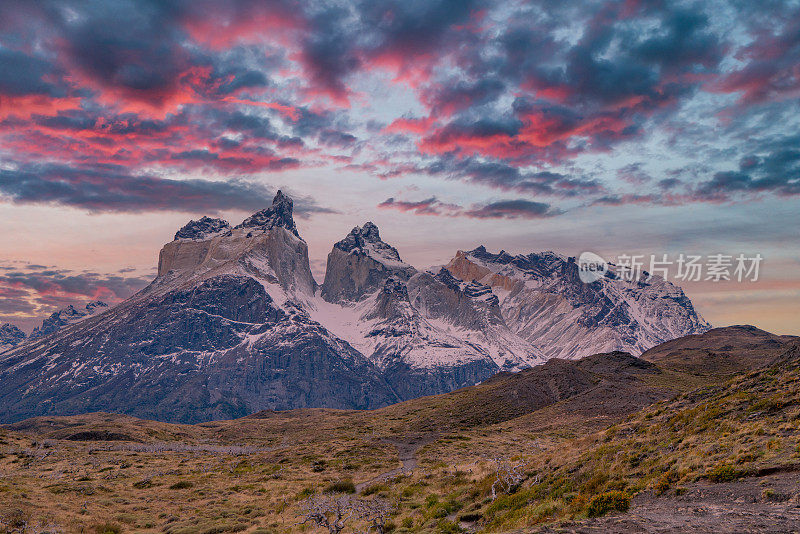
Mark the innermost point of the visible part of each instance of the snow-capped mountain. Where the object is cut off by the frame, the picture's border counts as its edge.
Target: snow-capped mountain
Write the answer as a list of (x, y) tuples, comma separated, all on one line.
[(10, 336), (235, 323), (221, 332), (544, 301), (67, 316), (428, 333), (359, 264)]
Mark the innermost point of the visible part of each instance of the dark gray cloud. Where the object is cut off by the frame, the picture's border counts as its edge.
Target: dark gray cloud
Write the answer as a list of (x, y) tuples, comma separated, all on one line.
[(500, 209), (513, 209), (507, 92), (114, 189), (773, 168), (48, 283), (24, 74)]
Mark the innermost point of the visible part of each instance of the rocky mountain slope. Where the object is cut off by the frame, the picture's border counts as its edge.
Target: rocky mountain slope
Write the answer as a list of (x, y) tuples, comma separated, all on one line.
[(428, 333), (607, 443), (10, 336), (67, 316), (220, 333), (235, 323), (544, 301)]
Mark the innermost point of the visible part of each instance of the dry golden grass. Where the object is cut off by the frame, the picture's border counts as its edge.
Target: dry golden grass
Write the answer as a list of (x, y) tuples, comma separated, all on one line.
[(583, 454)]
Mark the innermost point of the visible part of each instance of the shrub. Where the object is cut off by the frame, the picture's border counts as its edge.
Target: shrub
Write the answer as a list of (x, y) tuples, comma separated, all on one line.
[(608, 502), (725, 473), (470, 517), (448, 527), (341, 486), (375, 488), (16, 519), (318, 466), (107, 528), (183, 484), (510, 503), (666, 480)]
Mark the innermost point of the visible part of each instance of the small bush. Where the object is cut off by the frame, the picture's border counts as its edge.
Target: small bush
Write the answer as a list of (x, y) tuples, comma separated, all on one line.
[(725, 473), (318, 466), (774, 496), (143, 484), (666, 480), (107, 528), (448, 527), (16, 519), (470, 517), (183, 484), (375, 488), (341, 486), (608, 502)]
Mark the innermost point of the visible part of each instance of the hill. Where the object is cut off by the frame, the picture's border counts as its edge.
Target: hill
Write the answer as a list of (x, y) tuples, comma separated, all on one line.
[(573, 439)]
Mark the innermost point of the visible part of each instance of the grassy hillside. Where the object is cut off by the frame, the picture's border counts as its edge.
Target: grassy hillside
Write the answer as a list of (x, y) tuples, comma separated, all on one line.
[(563, 442)]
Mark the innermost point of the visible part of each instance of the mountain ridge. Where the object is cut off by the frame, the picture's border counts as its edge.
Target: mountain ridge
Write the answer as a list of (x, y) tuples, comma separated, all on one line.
[(235, 322)]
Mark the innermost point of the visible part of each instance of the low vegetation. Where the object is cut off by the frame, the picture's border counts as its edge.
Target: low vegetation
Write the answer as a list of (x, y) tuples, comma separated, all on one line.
[(333, 471)]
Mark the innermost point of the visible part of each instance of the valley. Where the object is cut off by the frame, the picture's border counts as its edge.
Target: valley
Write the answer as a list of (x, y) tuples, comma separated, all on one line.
[(602, 444)]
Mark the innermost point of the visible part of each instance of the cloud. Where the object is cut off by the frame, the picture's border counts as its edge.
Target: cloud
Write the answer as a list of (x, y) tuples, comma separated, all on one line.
[(768, 70), (24, 74), (513, 209), (29, 293), (509, 177), (428, 206), (773, 168), (523, 97), (113, 189), (501, 209)]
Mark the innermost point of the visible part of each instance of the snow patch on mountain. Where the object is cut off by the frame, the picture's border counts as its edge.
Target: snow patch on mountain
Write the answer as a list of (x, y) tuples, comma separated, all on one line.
[(204, 228), (67, 316), (10, 336), (543, 300)]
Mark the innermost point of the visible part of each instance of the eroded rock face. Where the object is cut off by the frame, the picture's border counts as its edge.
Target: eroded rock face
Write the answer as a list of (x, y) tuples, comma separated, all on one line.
[(10, 336), (359, 264), (266, 245), (279, 215), (544, 301), (204, 228), (218, 350), (67, 316)]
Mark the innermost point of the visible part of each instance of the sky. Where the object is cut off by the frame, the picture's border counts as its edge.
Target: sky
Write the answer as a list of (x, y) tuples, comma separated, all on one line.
[(618, 127)]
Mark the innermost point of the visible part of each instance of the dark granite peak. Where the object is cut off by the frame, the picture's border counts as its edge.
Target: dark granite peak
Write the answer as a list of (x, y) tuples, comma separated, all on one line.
[(277, 215), (203, 228)]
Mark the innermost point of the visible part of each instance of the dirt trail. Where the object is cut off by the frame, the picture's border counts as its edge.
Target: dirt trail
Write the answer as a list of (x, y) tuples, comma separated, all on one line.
[(756, 504), (407, 447)]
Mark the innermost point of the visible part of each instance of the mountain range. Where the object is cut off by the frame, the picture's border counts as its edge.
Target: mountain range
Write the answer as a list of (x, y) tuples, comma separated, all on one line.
[(235, 323)]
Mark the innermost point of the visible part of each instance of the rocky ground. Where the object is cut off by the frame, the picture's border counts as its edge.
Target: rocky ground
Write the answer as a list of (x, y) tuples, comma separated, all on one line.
[(606, 444), (755, 504)]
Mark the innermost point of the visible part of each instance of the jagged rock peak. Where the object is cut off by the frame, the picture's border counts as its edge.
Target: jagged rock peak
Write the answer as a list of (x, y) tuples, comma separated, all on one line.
[(447, 278), (10, 336), (367, 240), (358, 236), (277, 215), (66, 316), (390, 304), (474, 289), (204, 228)]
